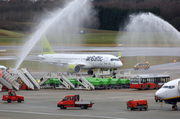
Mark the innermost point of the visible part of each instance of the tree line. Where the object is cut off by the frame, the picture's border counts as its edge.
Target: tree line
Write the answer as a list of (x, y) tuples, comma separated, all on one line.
[(111, 14), (116, 19)]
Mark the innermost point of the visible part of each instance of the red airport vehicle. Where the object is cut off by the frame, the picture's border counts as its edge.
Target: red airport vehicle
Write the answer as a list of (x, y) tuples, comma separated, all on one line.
[(74, 101), (24, 87), (12, 97), (147, 82), (137, 104), (157, 99), (4, 88)]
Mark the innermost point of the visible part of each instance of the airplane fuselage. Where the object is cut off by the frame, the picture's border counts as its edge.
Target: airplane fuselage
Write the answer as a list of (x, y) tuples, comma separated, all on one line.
[(86, 61)]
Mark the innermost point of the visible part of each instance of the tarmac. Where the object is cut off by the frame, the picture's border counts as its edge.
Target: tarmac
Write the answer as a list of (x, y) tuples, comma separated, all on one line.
[(109, 104)]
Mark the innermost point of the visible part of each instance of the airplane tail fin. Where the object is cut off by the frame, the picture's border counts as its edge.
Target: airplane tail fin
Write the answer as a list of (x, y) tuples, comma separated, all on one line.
[(119, 56), (46, 46)]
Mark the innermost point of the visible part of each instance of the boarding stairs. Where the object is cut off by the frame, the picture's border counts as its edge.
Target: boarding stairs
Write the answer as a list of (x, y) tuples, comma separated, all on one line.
[(25, 79), (29, 76), (64, 83), (45, 78), (5, 83), (10, 79), (85, 83), (70, 85)]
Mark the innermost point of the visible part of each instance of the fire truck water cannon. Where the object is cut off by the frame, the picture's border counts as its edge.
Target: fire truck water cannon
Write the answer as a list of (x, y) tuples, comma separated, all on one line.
[(74, 101), (137, 104), (12, 97)]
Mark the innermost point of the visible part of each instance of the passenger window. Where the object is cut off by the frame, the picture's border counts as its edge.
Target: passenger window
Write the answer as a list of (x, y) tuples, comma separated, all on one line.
[(71, 98), (66, 98)]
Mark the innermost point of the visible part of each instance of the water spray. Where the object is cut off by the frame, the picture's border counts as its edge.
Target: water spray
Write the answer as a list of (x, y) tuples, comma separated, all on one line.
[(72, 15)]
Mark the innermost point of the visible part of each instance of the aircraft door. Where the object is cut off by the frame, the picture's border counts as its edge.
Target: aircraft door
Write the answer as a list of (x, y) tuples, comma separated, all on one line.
[(81, 59), (179, 85), (105, 60)]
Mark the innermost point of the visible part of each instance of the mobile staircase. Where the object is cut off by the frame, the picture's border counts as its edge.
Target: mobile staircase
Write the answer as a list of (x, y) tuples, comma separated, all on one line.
[(5, 83), (65, 82), (31, 79), (26, 77), (45, 78), (9, 80), (87, 85)]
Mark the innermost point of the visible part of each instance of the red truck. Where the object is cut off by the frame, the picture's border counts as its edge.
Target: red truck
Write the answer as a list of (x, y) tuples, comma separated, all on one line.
[(74, 101), (12, 97), (137, 104)]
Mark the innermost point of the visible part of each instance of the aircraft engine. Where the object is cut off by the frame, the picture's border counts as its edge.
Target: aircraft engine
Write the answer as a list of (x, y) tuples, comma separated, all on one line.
[(73, 68)]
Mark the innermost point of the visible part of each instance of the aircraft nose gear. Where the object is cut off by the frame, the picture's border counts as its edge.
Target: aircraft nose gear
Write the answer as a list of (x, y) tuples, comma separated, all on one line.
[(174, 107)]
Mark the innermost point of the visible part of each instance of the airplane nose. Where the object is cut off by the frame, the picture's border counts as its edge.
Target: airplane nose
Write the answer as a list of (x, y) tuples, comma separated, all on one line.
[(160, 94), (120, 64)]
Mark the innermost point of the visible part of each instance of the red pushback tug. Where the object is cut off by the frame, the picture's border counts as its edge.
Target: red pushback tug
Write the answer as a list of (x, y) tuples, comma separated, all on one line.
[(12, 97), (137, 104), (74, 101)]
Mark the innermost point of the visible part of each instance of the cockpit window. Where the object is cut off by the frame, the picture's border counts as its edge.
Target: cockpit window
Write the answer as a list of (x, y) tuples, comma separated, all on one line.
[(115, 60), (165, 86), (170, 87)]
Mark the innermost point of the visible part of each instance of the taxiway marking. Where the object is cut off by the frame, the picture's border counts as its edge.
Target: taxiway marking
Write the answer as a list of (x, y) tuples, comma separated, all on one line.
[(54, 114)]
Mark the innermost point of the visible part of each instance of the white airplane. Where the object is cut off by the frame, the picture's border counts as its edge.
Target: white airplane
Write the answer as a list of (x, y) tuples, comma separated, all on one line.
[(170, 93), (76, 62)]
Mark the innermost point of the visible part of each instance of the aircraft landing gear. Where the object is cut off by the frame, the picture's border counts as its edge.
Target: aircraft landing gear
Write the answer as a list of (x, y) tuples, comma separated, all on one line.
[(90, 72), (174, 107)]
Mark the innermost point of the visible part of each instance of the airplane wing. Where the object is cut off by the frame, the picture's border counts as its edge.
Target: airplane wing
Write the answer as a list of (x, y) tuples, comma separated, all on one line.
[(58, 63), (42, 60)]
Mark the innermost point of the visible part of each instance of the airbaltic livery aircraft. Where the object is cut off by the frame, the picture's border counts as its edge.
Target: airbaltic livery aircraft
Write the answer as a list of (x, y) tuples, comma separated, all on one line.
[(170, 93), (76, 62)]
